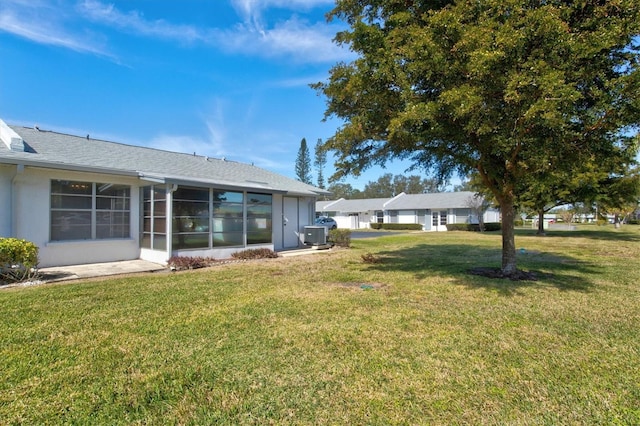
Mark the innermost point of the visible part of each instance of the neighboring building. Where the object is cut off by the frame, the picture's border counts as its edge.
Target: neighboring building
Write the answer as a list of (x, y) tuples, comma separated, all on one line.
[(433, 211), (82, 200), (353, 214)]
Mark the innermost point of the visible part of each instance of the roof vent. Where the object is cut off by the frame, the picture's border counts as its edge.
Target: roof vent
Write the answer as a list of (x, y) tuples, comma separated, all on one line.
[(11, 139)]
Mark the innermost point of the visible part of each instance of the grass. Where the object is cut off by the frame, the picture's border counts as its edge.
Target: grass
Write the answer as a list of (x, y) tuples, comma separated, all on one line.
[(331, 339)]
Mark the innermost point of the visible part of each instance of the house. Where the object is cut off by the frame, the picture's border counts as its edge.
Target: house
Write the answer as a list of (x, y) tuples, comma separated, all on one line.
[(353, 214), (433, 211), (82, 200)]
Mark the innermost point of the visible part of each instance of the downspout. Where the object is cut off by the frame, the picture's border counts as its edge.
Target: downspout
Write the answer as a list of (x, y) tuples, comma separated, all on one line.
[(13, 216)]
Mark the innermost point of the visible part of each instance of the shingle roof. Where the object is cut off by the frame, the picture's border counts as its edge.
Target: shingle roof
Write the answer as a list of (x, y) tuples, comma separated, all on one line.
[(437, 200), (353, 206), (57, 150)]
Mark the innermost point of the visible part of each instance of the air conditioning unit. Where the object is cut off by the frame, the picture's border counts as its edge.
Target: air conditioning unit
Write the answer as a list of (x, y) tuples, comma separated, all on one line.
[(315, 235)]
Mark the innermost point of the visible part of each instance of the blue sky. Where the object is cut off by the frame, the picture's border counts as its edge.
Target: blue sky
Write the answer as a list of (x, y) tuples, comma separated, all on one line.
[(223, 78)]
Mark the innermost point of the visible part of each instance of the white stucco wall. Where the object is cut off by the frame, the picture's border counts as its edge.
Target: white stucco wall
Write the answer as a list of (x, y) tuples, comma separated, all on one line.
[(407, 216), (29, 193), (32, 212), (6, 175)]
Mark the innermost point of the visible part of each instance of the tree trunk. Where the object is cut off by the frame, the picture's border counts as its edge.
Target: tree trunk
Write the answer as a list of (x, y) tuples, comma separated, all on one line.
[(509, 266), (540, 223)]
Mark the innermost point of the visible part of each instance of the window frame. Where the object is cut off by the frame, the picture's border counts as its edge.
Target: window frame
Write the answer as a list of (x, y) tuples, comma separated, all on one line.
[(93, 212)]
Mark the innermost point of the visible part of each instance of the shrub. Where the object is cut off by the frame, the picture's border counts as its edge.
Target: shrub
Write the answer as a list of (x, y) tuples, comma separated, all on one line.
[(261, 253), (18, 260), (492, 226), (340, 237), (180, 263), (397, 226), (474, 227), (461, 227)]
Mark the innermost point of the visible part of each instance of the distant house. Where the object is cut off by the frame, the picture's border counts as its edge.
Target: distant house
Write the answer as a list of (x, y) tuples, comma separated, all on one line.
[(433, 211), (83, 200)]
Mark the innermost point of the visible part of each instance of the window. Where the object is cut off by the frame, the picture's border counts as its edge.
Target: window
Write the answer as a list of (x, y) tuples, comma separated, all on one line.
[(227, 219), (154, 218), (88, 210), (380, 216), (259, 218), (204, 218), (190, 218)]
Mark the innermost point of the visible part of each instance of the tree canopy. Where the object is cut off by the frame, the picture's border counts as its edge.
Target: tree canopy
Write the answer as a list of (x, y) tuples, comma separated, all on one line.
[(389, 185), (504, 88)]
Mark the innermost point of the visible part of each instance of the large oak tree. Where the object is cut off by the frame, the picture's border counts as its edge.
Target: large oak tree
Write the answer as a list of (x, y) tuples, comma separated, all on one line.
[(493, 86)]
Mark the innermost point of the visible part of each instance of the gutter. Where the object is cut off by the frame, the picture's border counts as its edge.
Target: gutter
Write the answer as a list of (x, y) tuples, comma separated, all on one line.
[(65, 166), (149, 177)]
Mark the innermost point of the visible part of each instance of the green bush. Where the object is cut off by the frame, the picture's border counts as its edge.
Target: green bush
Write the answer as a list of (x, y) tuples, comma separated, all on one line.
[(460, 227), (18, 260), (397, 226), (473, 227), (340, 237), (493, 226)]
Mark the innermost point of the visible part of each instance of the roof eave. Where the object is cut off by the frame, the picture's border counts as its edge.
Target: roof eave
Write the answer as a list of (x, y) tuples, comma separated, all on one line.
[(17, 161)]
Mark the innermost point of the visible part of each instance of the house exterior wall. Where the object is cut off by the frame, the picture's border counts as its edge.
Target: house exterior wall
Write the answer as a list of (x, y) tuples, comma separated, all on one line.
[(306, 213), (6, 176), (347, 220), (25, 212), (421, 216), (31, 220)]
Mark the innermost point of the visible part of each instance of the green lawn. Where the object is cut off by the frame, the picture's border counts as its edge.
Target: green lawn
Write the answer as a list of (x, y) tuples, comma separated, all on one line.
[(329, 339)]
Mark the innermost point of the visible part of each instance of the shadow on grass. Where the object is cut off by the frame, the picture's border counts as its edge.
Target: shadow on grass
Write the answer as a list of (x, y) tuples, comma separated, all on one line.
[(457, 260), (602, 234)]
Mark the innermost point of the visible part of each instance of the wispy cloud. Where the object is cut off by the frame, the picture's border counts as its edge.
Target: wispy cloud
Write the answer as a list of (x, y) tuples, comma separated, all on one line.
[(134, 22), (252, 10), (293, 38), (43, 24), (77, 28)]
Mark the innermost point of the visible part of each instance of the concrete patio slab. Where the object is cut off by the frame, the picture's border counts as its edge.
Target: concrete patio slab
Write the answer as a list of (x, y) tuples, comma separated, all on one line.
[(74, 272)]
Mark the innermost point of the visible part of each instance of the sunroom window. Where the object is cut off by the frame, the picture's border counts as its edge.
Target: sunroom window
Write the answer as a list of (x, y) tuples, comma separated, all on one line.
[(89, 210)]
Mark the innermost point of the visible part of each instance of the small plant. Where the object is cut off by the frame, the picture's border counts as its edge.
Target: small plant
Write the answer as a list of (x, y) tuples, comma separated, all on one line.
[(397, 226), (340, 237), (371, 258), (473, 227), (261, 253), (18, 260), (180, 263)]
